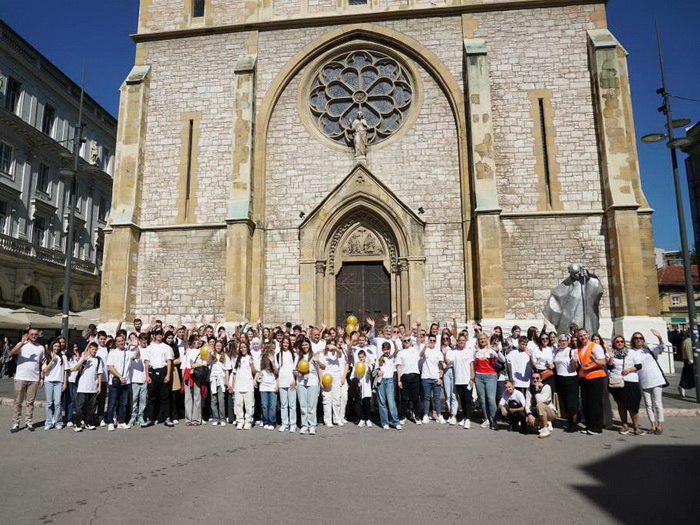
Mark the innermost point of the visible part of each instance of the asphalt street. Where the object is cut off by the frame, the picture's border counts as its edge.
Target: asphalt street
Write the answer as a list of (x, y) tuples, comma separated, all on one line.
[(433, 473)]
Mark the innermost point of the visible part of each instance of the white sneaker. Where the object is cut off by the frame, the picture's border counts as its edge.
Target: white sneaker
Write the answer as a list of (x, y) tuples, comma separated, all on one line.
[(247, 426), (398, 427), (340, 423), (544, 433), (485, 424), (467, 424), (441, 419), (304, 430), (361, 423), (110, 427), (102, 423), (292, 429), (549, 426), (282, 428), (123, 426), (369, 424), (452, 420), (214, 423), (419, 422), (69, 424), (258, 423), (48, 427), (222, 423), (239, 426), (77, 429), (58, 427), (312, 431), (403, 421), (385, 427), (426, 419), (176, 421)]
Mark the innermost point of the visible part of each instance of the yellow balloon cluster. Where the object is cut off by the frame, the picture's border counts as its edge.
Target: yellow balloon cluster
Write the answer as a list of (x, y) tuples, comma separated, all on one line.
[(360, 369), (351, 324)]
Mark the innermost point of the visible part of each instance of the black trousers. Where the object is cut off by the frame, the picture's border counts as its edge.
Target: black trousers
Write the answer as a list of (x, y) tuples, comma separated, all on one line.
[(101, 400), (592, 392), (567, 390), (516, 421), (465, 399), (84, 408), (158, 399), (410, 393), (360, 405)]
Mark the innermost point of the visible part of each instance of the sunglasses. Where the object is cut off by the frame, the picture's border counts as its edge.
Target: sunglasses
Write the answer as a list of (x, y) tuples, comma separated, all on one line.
[(637, 339), (619, 341), (536, 379)]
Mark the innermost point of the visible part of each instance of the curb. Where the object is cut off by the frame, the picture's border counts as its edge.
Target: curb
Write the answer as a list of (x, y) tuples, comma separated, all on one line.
[(670, 412)]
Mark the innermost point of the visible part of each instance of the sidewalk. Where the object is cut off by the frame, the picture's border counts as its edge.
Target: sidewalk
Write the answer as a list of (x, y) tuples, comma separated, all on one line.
[(674, 405)]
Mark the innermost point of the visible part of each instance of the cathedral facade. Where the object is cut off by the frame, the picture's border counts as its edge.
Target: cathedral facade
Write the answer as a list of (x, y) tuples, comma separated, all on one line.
[(307, 159)]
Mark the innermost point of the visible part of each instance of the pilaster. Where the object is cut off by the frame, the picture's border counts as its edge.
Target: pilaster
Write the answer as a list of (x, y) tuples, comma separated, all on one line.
[(482, 170), (623, 197), (123, 233)]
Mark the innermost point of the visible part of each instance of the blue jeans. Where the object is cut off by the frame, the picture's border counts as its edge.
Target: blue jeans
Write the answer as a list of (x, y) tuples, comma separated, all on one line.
[(139, 394), (117, 394), (486, 389), (430, 389), (308, 402), (386, 394), (288, 402), (53, 402), (268, 400), (69, 400), (448, 384)]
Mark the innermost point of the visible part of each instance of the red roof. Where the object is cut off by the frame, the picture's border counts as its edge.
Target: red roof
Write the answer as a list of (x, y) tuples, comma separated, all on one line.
[(673, 275)]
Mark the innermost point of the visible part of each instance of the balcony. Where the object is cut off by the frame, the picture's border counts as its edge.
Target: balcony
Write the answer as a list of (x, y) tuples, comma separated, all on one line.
[(45, 255)]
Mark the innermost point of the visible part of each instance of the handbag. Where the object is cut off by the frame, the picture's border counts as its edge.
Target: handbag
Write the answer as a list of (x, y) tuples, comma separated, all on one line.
[(546, 374), (616, 382), (200, 373)]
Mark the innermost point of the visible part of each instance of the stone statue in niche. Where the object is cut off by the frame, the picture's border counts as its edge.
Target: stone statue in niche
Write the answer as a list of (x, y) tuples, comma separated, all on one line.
[(575, 300), (363, 242), (359, 136), (94, 152)]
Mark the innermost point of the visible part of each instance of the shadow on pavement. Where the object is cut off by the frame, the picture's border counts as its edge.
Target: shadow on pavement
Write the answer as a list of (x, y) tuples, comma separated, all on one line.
[(647, 484)]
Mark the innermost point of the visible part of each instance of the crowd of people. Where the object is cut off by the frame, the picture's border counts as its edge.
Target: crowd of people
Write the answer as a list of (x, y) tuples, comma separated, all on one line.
[(274, 378)]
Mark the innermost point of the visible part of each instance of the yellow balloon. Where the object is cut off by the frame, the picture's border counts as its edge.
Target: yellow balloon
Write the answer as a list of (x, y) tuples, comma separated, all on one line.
[(204, 353), (327, 380), (360, 369), (350, 328), (304, 366), (351, 320)]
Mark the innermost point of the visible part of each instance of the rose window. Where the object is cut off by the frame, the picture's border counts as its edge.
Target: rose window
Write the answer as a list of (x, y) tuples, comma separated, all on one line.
[(366, 81)]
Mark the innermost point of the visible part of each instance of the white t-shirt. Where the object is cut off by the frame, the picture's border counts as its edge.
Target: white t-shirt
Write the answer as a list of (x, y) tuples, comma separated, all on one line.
[(650, 375), (365, 382), (257, 356), (461, 360), (319, 346), (55, 373), (183, 352), (334, 364), (287, 362), (430, 363), (29, 362), (521, 367), (103, 353), (267, 381), (562, 362), (543, 358), (517, 395), (87, 382), (633, 357), (158, 355), (138, 375), (370, 351), (121, 361), (389, 366), (70, 364), (244, 376), (310, 379), (407, 359)]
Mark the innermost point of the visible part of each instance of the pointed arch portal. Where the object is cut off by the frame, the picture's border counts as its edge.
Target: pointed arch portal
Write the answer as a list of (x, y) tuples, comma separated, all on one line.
[(361, 253)]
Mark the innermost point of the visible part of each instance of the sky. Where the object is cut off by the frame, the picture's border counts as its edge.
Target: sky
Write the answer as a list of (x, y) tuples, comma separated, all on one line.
[(68, 32)]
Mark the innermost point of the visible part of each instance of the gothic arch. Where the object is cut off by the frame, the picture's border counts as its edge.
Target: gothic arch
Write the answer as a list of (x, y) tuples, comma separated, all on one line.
[(361, 201), (342, 35)]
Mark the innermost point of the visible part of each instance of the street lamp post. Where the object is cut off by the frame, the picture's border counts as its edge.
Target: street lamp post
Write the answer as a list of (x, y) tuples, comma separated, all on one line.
[(673, 144), (70, 241)]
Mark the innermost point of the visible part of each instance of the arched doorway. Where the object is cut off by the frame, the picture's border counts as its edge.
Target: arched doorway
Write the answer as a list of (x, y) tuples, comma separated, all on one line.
[(361, 253), (31, 296)]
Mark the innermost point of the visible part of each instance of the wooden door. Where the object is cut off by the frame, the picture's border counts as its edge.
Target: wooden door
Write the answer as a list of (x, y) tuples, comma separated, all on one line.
[(364, 290)]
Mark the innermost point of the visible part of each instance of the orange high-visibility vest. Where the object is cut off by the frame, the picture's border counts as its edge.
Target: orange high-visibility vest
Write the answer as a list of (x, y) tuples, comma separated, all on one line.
[(588, 368)]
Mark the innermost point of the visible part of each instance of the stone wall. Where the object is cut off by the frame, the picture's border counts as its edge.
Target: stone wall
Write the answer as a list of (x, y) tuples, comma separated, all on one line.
[(542, 49), (181, 273), (537, 252), (190, 76)]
